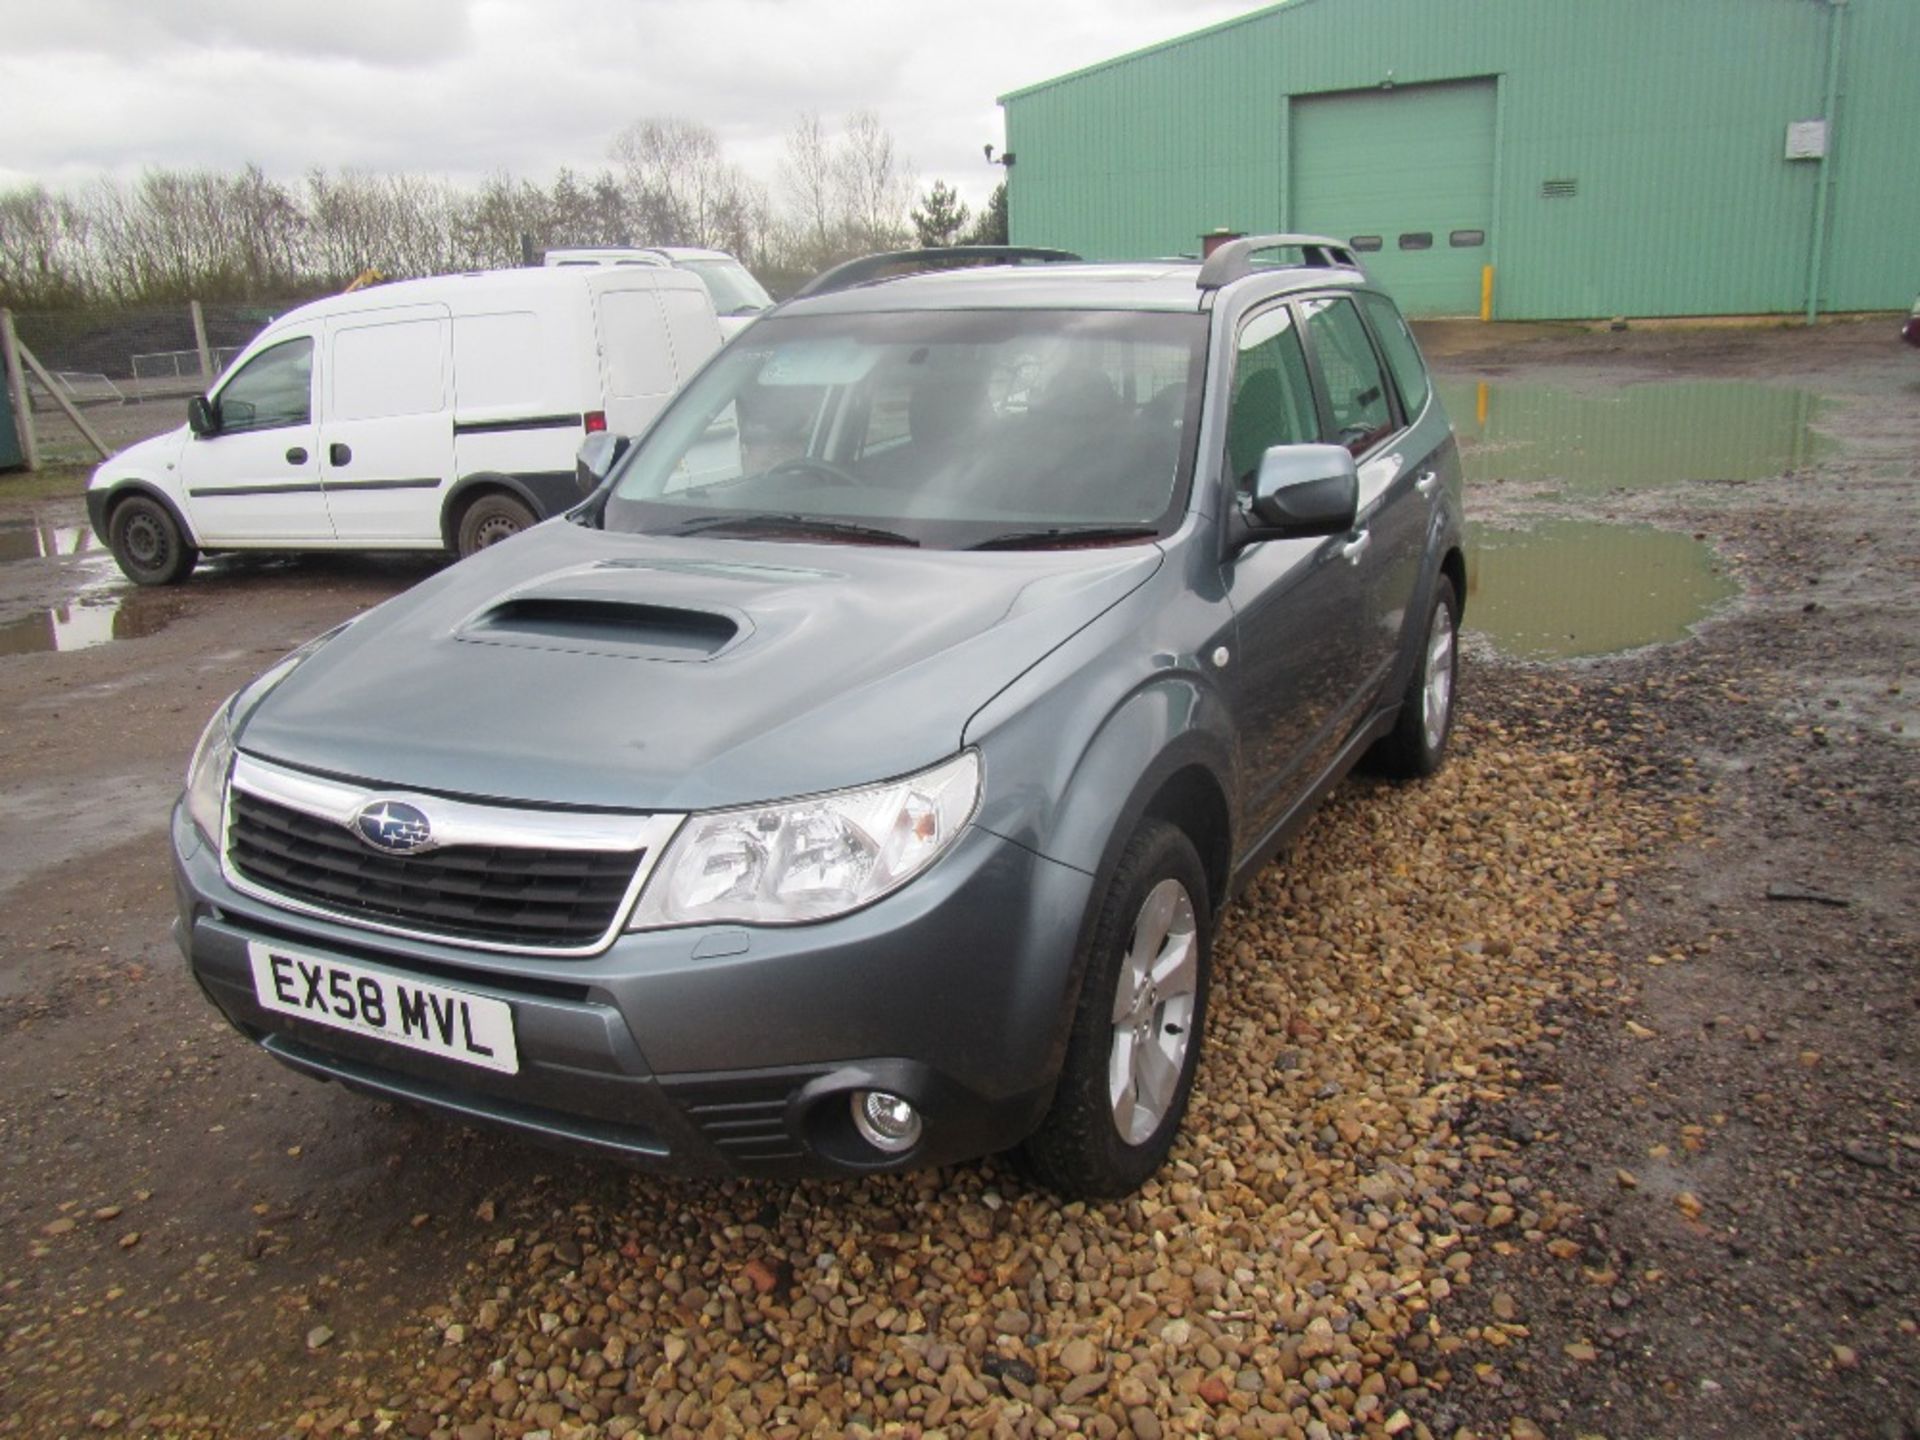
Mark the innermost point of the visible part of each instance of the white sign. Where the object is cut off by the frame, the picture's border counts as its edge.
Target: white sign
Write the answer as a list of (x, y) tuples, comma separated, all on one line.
[(1806, 139)]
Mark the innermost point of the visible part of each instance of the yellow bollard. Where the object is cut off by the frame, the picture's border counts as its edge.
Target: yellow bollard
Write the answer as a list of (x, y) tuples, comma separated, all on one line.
[(1486, 293)]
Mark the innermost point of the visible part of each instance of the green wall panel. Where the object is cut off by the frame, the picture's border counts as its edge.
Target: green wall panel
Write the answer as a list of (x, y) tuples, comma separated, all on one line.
[(1669, 117)]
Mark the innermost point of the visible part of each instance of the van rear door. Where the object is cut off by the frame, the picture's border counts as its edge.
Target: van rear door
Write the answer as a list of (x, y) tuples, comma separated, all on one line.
[(386, 450), (655, 328)]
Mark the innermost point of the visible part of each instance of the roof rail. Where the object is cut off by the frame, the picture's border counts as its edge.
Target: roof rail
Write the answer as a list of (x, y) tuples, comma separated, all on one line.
[(872, 267), (1233, 260)]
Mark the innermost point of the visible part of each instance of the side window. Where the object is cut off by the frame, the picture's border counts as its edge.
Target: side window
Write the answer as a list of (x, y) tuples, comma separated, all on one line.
[(1403, 356), (1356, 390), (1272, 396), (273, 389)]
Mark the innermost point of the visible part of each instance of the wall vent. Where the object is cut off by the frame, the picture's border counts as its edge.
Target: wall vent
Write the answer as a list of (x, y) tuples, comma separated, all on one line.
[(1559, 189)]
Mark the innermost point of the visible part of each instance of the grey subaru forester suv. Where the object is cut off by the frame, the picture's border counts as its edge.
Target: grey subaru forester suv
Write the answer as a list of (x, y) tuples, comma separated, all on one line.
[(854, 779)]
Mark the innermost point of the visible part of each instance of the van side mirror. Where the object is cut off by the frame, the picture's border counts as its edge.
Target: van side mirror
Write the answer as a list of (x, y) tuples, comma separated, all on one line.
[(595, 459), (1302, 490), (202, 418)]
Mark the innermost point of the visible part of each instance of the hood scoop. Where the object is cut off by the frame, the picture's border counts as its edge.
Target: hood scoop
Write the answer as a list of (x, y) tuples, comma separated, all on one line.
[(598, 625)]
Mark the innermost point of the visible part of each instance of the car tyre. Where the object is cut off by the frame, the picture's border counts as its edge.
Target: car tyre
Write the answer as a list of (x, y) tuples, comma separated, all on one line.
[(1137, 1027), (1417, 744), (489, 520), (147, 543)]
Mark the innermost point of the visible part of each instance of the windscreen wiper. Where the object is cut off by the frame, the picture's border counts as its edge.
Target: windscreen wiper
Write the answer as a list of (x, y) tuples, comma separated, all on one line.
[(1062, 537), (812, 524)]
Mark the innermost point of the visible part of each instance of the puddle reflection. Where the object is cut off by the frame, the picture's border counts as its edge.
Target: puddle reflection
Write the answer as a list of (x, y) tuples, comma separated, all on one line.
[(1580, 588), (1634, 436)]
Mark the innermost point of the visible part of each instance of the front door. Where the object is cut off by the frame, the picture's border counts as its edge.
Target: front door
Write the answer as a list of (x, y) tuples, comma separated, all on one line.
[(256, 480), (1297, 603), (387, 439)]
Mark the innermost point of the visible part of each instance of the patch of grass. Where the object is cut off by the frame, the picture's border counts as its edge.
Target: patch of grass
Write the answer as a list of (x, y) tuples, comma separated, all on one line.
[(49, 482)]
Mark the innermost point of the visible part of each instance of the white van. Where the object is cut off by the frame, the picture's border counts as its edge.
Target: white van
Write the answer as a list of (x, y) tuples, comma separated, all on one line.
[(422, 415), (737, 297)]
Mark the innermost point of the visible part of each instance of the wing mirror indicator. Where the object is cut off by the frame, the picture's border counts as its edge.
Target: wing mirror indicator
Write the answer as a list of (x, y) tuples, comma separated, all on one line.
[(1302, 490)]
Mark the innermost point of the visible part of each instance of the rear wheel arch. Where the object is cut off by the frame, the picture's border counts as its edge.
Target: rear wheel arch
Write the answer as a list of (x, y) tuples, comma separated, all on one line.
[(469, 490)]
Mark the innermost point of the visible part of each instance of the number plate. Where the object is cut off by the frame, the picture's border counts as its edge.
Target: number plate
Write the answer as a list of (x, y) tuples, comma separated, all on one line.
[(452, 1024)]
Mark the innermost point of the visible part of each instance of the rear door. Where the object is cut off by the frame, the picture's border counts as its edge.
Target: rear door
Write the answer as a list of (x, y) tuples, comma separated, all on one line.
[(257, 481), (387, 436), (1365, 415)]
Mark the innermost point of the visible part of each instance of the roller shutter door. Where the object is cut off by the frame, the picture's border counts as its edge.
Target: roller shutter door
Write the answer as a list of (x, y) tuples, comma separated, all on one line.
[(1411, 167)]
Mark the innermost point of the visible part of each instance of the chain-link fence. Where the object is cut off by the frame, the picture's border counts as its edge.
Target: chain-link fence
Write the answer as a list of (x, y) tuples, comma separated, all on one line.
[(138, 353)]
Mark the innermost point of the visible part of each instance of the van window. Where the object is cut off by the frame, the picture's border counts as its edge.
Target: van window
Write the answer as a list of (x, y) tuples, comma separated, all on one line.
[(638, 360), (1403, 356), (1272, 396), (1356, 390), (690, 327), (498, 360), (273, 389), (380, 371)]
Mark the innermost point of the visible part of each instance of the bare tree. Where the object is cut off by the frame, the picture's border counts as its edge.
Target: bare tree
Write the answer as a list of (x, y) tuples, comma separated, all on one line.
[(808, 180), (681, 189), (875, 189)]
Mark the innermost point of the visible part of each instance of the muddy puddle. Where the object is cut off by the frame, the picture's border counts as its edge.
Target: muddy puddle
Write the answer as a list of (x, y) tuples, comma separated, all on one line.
[(1571, 588), (1631, 437), (102, 607)]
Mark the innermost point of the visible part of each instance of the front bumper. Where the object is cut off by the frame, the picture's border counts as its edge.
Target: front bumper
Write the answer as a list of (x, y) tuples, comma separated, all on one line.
[(718, 1049)]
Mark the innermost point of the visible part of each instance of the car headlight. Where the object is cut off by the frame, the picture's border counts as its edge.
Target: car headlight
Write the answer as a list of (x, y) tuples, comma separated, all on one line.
[(207, 773), (213, 755), (809, 859)]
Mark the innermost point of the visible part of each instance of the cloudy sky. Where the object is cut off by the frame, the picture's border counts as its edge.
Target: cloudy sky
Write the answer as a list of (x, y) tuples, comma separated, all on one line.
[(462, 88)]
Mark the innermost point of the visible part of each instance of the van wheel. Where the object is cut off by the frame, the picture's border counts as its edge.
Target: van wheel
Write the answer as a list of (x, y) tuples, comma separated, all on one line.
[(489, 520), (147, 543), (1417, 744), (1137, 1027)]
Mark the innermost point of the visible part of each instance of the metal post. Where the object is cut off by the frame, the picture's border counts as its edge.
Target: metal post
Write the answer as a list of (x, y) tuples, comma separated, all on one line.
[(200, 344), (16, 378), (1817, 252), (66, 405)]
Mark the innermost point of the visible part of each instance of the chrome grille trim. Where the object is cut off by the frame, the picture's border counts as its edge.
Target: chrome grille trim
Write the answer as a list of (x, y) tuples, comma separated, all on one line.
[(455, 822)]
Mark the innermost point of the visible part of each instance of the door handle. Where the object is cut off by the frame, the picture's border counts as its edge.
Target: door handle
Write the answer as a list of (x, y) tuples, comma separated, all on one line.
[(296, 455), (338, 454), (1427, 481), (1356, 547)]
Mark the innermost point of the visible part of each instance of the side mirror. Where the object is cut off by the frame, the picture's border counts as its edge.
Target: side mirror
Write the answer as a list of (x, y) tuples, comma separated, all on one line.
[(1302, 490), (201, 417), (595, 459)]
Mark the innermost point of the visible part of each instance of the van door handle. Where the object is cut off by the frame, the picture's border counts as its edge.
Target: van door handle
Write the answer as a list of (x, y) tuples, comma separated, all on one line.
[(1428, 479), (338, 454), (1356, 547), (296, 456)]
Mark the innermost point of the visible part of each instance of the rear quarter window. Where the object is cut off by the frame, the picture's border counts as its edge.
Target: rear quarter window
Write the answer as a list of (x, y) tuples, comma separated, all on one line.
[(1403, 355)]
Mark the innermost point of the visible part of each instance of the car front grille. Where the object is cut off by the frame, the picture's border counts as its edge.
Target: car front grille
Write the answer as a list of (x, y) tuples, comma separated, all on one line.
[(538, 899)]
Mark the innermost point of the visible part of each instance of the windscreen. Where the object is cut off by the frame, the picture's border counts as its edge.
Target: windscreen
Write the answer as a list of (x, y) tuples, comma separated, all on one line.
[(734, 290), (943, 428)]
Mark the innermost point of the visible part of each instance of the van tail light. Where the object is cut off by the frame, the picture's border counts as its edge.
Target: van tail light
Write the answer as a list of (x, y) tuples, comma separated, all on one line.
[(596, 421)]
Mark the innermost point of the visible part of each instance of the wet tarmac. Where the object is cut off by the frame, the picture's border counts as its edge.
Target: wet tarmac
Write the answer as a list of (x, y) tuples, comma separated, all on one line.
[(100, 606)]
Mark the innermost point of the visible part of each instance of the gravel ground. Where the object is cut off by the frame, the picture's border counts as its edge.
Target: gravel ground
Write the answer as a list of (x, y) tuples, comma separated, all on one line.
[(1525, 1111)]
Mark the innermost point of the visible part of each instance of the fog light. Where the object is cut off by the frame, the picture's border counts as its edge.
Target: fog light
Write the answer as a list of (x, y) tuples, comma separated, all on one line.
[(885, 1121)]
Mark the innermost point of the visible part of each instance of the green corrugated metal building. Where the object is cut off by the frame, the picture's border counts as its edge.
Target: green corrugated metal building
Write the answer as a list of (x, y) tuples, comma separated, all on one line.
[(1606, 157)]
